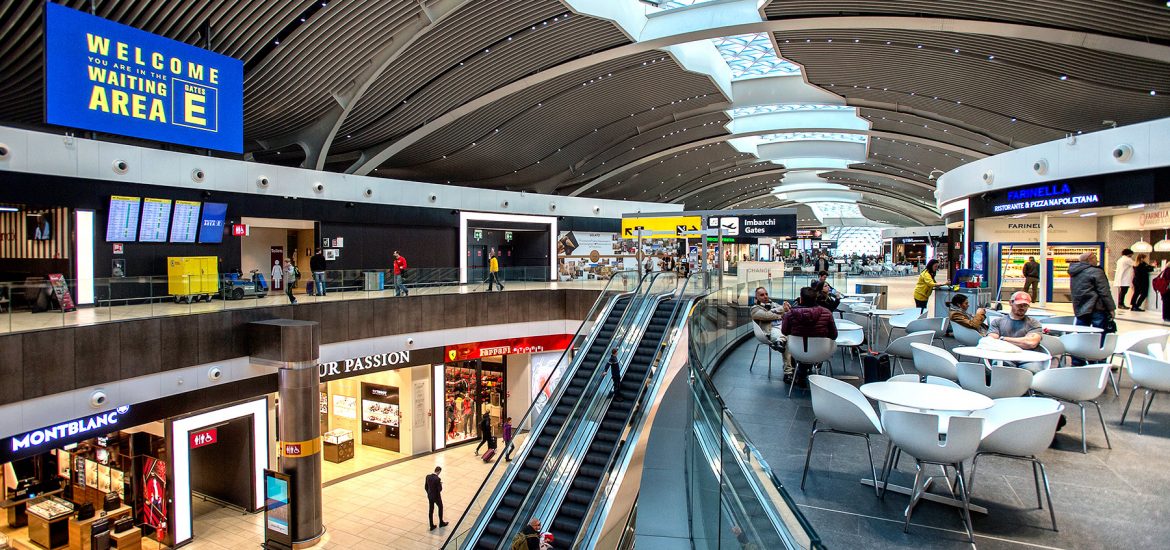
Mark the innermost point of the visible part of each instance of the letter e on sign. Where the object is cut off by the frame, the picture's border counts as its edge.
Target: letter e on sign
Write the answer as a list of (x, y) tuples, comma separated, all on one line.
[(203, 438)]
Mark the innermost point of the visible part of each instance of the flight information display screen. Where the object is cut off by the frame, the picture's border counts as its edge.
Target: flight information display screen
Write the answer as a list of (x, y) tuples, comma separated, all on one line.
[(156, 218), (122, 224), (185, 223)]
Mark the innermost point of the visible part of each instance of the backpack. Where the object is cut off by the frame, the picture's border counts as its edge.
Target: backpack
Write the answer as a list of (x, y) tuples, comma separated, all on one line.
[(296, 273), (520, 541), (1162, 281)]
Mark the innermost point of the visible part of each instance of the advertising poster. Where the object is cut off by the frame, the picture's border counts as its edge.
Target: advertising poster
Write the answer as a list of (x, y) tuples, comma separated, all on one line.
[(419, 393), (277, 511), (105, 76), (546, 367), (345, 406), (154, 496)]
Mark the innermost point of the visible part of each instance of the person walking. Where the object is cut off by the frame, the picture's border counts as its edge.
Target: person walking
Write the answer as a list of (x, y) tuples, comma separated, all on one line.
[(485, 431), (1162, 287), (1032, 277), (615, 374), (434, 488), (399, 272), (507, 429), (494, 272), (926, 284), (318, 266), (277, 274), (528, 538), (1123, 274), (290, 279), (1141, 282), (1092, 301)]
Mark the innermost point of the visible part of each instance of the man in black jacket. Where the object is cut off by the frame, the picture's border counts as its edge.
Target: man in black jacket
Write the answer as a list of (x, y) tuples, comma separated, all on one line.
[(317, 266), (1092, 298), (485, 432), (434, 487), (1032, 277)]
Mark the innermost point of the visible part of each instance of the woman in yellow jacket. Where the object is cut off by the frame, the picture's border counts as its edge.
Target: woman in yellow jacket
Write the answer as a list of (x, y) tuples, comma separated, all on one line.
[(925, 284)]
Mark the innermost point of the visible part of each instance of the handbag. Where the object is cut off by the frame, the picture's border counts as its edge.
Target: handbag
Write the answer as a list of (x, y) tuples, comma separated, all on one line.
[(1110, 326)]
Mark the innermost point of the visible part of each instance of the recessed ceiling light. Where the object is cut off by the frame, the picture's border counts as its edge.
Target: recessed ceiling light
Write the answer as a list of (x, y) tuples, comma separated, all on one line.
[(1087, 214), (1067, 212)]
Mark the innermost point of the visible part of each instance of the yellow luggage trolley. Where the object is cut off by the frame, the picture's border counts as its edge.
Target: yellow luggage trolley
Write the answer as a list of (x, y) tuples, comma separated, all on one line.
[(192, 278)]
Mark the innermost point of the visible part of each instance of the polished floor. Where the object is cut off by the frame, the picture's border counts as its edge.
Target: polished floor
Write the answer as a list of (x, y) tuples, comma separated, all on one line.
[(1109, 498)]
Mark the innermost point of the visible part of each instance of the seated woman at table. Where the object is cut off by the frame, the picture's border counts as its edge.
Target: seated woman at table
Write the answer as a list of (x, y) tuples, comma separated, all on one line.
[(810, 320), (1016, 327), (826, 295), (957, 313)]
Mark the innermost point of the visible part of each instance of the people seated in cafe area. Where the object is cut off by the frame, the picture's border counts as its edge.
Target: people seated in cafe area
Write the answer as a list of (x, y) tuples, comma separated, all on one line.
[(957, 313), (810, 320), (768, 315), (826, 297), (1016, 327)]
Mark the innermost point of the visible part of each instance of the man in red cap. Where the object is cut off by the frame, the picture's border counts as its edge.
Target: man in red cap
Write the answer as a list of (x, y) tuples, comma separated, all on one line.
[(1016, 327)]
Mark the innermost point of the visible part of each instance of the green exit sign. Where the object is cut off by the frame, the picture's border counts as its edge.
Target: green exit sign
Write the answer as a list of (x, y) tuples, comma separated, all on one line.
[(730, 240), (508, 236)]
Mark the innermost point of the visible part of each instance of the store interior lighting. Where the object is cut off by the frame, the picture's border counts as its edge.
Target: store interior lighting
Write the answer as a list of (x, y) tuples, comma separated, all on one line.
[(1164, 244), (1142, 247)]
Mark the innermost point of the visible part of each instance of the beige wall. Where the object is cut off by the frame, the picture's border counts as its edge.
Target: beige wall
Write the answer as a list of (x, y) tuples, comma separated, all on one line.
[(254, 250)]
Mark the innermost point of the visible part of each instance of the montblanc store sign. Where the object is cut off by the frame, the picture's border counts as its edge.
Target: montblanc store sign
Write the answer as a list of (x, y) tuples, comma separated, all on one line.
[(357, 366), (1044, 197), (85, 427)]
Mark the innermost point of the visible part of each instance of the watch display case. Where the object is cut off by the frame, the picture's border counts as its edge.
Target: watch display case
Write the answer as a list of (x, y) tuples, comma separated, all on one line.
[(51, 508), (338, 445)]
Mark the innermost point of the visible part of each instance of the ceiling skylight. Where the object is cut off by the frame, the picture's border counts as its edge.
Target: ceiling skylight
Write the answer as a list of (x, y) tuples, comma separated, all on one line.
[(673, 4), (786, 108), (824, 210), (752, 55), (813, 136)]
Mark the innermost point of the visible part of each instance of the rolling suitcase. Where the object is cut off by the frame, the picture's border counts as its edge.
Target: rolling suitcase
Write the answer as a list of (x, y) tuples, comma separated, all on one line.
[(876, 367), (489, 455)]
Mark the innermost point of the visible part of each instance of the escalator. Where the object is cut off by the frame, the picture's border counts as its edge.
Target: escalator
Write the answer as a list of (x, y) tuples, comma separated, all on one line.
[(599, 455), (496, 530)]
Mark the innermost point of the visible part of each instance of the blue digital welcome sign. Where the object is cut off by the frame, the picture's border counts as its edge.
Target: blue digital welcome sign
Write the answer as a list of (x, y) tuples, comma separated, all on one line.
[(109, 77)]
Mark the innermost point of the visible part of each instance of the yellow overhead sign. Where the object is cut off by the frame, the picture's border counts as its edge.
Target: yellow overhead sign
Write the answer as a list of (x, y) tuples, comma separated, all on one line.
[(670, 227)]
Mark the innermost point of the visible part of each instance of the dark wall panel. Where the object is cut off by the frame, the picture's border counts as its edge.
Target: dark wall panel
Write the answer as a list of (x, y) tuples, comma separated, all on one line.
[(140, 350), (48, 362), (373, 246), (223, 470), (96, 351), (178, 342), (11, 363)]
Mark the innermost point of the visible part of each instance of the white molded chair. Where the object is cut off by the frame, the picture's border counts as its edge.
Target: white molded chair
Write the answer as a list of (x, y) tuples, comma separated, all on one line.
[(1139, 341), (1077, 385), (1006, 382), (810, 351), (1150, 374), (1037, 366), (1063, 320), (965, 336), (840, 408), (852, 340), (762, 340), (1093, 349), (902, 320), (1020, 428), (917, 434), (1055, 348), (932, 361), (936, 324), (900, 348)]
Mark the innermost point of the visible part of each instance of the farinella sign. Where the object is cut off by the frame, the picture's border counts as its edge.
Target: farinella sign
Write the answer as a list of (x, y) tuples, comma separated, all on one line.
[(64, 430), (104, 76), (1058, 195)]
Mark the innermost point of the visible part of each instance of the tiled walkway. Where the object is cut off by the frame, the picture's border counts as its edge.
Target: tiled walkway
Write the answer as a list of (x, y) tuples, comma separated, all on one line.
[(384, 509)]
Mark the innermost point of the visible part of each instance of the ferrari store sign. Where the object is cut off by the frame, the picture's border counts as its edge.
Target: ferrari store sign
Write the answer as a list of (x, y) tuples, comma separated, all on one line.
[(508, 346), (666, 227)]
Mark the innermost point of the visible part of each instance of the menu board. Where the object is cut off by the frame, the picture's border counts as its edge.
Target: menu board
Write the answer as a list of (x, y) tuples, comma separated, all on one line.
[(156, 216), (185, 224), (122, 224)]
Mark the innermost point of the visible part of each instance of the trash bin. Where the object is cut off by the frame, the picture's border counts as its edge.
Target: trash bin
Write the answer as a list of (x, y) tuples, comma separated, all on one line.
[(375, 280), (880, 290)]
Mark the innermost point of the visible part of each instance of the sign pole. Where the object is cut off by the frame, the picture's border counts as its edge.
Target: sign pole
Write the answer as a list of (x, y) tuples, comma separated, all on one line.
[(1042, 285), (703, 259)]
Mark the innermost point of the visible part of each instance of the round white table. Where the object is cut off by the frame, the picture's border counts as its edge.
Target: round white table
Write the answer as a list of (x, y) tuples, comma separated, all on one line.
[(1064, 327), (1022, 356), (926, 397), (854, 301), (843, 324)]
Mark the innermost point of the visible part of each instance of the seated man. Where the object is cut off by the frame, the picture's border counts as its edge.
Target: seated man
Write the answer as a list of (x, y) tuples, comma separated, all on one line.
[(1016, 327), (808, 319), (957, 313), (768, 314)]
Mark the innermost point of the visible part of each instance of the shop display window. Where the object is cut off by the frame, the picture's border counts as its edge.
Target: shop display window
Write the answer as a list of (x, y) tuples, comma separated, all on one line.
[(473, 388)]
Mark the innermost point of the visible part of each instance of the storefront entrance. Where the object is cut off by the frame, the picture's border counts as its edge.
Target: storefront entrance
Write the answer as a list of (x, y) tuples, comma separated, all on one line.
[(471, 389)]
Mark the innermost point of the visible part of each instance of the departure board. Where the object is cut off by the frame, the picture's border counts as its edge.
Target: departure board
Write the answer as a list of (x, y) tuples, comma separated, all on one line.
[(122, 224), (156, 218), (185, 223)]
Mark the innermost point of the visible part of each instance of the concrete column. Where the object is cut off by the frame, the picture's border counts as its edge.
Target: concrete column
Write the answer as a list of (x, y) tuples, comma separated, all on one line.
[(294, 347)]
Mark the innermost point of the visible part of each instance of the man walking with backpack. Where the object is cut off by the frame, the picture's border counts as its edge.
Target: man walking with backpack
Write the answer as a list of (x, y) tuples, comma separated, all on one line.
[(399, 272), (317, 265)]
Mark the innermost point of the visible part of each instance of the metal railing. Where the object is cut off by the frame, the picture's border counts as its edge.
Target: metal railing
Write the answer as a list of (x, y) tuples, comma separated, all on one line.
[(33, 304), (735, 499)]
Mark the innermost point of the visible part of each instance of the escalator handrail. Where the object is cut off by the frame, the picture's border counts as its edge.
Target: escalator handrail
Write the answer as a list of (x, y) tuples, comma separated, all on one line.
[(601, 305), (501, 486), (664, 349), (587, 409)]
